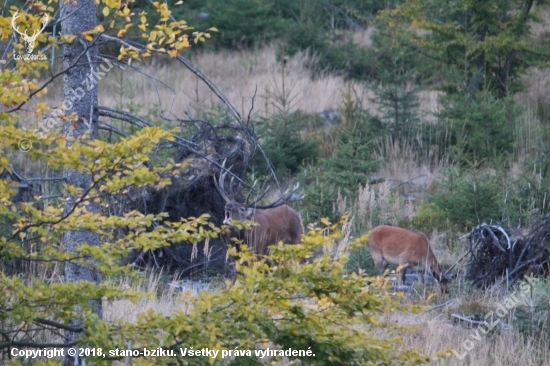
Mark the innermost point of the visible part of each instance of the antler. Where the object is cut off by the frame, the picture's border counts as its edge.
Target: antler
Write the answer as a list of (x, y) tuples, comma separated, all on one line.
[(258, 198), (287, 197), (220, 186)]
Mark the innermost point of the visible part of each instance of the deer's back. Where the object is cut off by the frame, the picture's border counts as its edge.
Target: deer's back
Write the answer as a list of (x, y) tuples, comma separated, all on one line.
[(398, 245), (275, 224)]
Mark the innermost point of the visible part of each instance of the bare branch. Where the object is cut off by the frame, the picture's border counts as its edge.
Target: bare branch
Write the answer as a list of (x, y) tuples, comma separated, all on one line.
[(213, 88), (59, 325), (52, 78), (36, 344), (107, 127)]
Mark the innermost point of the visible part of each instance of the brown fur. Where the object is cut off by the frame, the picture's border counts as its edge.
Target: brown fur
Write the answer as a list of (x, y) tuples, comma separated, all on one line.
[(397, 246), (281, 223)]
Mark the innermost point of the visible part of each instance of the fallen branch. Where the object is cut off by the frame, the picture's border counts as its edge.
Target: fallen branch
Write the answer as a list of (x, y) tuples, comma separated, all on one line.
[(468, 320), (433, 308)]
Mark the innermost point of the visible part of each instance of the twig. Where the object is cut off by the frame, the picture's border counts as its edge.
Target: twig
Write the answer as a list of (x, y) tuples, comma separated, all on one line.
[(107, 127), (52, 78), (195, 70), (488, 228), (461, 258), (467, 319), (131, 118), (433, 308), (407, 181), (43, 179)]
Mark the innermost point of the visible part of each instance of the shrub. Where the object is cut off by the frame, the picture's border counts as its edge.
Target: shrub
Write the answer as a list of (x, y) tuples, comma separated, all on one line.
[(533, 317), (353, 160), (284, 143), (466, 199), (480, 128), (320, 195), (242, 23)]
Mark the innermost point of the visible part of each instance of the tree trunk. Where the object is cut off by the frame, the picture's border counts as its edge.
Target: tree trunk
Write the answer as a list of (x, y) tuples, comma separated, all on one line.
[(80, 98)]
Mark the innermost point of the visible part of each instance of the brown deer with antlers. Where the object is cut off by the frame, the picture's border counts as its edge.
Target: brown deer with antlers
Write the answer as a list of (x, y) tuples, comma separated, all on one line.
[(402, 247), (275, 222)]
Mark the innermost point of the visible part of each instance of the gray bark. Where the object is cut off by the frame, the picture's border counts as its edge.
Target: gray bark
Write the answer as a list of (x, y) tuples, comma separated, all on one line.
[(80, 97)]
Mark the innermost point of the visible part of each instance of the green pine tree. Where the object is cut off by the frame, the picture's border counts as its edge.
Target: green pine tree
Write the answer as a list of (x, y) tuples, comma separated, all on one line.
[(352, 163), (398, 102)]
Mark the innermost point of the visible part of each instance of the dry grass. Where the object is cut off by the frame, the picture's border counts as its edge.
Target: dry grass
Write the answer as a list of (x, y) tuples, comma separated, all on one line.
[(431, 332), (162, 299), (240, 75), (169, 87), (434, 332), (174, 90), (403, 168), (530, 128), (503, 348)]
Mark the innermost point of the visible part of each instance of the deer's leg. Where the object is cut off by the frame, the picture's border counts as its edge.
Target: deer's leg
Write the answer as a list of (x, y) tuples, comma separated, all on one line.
[(379, 262), (420, 274), (401, 277)]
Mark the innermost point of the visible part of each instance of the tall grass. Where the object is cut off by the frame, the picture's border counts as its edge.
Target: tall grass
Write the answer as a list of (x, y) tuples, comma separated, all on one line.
[(248, 77), (433, 332), (245, 77)]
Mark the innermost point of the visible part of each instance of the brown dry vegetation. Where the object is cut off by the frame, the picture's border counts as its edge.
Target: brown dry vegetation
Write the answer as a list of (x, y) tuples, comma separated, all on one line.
[(239, 74)]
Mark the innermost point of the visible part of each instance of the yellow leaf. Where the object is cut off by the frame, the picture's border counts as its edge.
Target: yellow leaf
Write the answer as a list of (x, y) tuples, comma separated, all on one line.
[(126, 11), (106, 11), (401, 267), (68, 38), (181, 45), (173, 53)]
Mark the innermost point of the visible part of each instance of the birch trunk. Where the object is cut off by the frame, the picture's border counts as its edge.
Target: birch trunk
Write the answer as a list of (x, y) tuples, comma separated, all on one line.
[(80, 98)]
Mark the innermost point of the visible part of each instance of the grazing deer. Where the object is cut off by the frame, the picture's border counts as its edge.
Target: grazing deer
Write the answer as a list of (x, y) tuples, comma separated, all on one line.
[(276, 221), (402, 247)]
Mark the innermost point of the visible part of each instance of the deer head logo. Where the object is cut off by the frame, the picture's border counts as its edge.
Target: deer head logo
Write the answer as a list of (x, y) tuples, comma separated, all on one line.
[(29, 40)]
